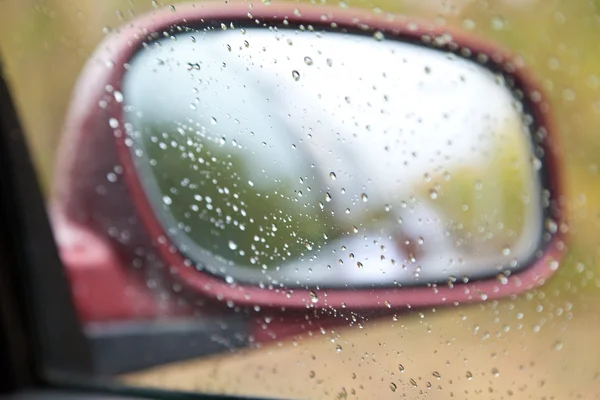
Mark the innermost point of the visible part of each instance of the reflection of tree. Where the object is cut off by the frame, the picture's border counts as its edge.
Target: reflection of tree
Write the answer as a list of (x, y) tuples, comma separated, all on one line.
[(215, 203), (219, 201), (487, 205)]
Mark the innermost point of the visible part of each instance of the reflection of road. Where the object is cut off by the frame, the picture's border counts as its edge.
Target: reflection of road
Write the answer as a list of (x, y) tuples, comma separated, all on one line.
[(372, 118), (382, 254)]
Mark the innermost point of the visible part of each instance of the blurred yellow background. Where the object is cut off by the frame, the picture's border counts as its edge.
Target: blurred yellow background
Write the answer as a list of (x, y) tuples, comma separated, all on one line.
[(542, 345)]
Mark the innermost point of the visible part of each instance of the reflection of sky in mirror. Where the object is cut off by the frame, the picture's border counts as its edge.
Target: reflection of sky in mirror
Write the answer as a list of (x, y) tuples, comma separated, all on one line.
[(392, 102), (377, 114)]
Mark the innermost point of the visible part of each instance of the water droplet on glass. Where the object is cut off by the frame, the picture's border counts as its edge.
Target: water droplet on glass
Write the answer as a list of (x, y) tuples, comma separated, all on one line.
[(314, 298), (558, 345), (393, 387), (378, 36), (364, 197), (469, 24), (118, 96), (232, 245), (167, 200), (568, 94), (308, 60), (332, 176), (551, 225), (498, 23), (338, 348), (401, 367), (296, 75), (469, 375), (213, 121)]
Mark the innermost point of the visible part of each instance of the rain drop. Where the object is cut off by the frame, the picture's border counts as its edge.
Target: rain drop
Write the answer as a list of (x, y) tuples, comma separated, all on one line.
[(296, 75), (314, 298), (498, 23), (118, 96), (558, 345)]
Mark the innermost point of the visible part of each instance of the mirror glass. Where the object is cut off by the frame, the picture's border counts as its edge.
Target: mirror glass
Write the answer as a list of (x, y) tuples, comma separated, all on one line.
[(332, 160)]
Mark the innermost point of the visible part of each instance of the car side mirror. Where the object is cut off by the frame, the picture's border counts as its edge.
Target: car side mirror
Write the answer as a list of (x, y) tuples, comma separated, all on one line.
[(281, 158)]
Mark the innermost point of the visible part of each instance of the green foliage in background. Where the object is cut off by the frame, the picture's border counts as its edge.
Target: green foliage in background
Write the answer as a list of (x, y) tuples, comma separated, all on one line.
[(212, 196)]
